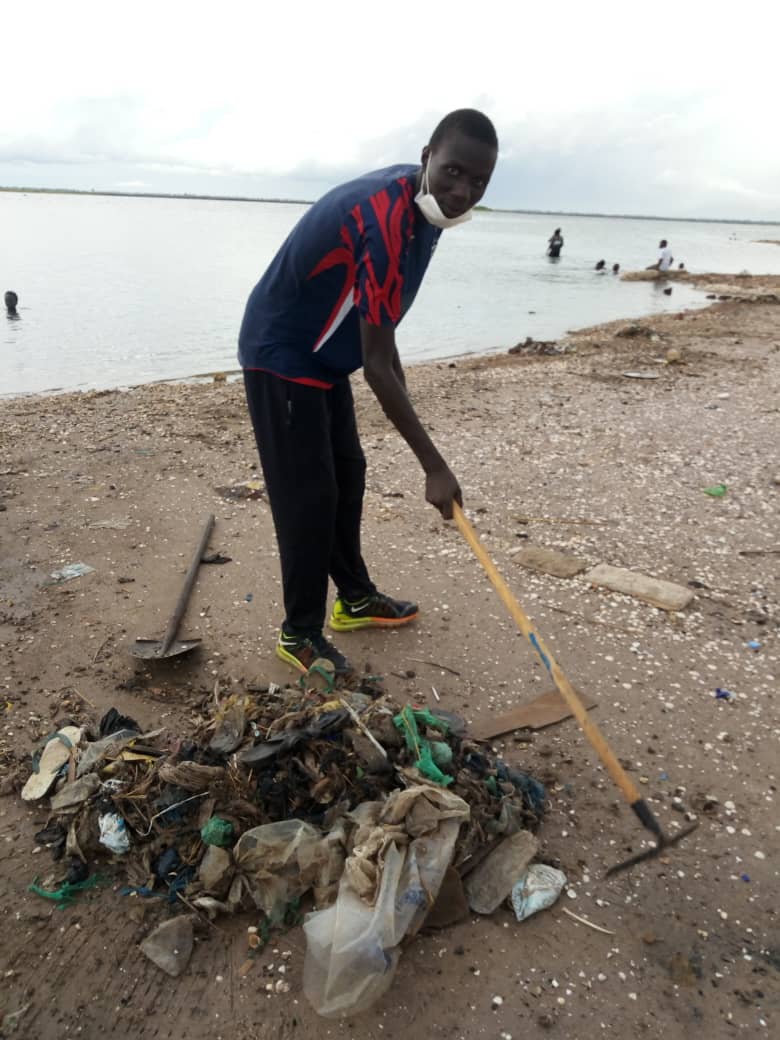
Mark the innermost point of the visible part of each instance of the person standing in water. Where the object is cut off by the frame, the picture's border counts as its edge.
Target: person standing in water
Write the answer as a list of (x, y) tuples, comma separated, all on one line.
[(555, 244), (11, 302)]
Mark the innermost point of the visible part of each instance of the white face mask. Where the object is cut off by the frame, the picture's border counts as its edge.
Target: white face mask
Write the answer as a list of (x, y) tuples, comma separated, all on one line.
[(431, 210)]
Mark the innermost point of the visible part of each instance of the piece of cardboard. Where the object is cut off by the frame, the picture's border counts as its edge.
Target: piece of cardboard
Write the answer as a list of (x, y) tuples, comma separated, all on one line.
[(544, 710), (662, 594), (550, 561)]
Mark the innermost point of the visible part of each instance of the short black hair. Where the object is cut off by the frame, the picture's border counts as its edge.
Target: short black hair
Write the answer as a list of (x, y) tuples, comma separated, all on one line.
[(470, 123)]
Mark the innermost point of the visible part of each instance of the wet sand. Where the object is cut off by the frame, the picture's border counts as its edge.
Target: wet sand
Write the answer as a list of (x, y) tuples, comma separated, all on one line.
[(564, 452)]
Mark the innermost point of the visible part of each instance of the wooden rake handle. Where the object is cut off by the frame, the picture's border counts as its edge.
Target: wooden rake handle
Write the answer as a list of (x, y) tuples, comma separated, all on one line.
[(590, 729)]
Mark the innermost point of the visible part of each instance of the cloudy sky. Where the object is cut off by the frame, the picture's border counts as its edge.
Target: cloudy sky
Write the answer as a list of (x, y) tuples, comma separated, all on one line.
[(614, 107)]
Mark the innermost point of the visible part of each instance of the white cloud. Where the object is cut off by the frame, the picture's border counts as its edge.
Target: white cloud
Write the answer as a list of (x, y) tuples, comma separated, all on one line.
[(607, 105)]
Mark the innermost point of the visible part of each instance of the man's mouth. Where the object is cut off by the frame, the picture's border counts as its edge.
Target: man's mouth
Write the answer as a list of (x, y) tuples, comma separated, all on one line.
[(453, 209)]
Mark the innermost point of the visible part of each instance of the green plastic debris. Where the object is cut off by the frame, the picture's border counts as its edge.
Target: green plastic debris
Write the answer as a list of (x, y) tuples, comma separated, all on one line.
[(217, 831), (320, 676), (407, 722), (427, 718), (441, 752), (716, 491), (492, 785), (66, 894)]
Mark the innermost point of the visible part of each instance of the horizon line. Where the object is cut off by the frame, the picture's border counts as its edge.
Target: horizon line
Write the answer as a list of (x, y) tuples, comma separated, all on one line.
[(309, 202)]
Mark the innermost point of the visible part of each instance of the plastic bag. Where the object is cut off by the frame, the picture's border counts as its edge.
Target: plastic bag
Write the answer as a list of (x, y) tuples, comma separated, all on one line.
[(94, 752), (537, 889), (353, 947), (279, 862), (113, 833)]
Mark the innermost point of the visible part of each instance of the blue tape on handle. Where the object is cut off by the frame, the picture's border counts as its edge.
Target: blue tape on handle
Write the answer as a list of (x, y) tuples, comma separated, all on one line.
[(543, 656)]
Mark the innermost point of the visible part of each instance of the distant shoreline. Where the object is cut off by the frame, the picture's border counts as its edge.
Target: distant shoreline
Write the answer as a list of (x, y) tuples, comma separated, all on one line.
[(309, 202), (150, 195)]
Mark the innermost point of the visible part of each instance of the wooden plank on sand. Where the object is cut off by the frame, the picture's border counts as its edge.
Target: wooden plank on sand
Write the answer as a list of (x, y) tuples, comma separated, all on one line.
[(544, 710)]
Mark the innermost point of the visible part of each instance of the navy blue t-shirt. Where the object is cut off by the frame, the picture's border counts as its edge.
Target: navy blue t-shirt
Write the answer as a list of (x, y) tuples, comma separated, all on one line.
[(360, 252)]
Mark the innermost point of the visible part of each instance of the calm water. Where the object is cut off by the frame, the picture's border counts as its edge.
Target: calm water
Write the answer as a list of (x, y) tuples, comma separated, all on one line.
[(119, 291)]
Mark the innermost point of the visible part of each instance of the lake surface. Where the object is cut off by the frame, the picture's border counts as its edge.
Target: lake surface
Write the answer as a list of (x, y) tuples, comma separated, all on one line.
[(120, 291)]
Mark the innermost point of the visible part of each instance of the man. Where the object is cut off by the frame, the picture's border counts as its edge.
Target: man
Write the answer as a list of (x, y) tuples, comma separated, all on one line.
[(665, 258), (328, 304), (11, 303)]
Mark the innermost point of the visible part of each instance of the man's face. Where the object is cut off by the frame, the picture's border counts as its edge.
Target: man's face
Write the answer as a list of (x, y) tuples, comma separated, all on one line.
[(459, 171)]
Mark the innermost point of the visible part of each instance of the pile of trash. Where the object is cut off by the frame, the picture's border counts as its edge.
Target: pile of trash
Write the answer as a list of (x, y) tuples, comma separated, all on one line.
[(538, 347), (382, 817)]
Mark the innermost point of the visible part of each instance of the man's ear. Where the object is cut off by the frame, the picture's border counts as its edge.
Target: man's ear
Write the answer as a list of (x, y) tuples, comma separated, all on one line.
[(425, 153)]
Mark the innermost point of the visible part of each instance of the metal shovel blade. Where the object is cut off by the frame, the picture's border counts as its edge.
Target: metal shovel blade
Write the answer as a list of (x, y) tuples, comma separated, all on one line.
[(169, 645), (155, 648)]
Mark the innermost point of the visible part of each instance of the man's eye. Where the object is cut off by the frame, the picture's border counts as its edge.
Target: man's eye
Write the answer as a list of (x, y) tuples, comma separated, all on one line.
[(453, 171)]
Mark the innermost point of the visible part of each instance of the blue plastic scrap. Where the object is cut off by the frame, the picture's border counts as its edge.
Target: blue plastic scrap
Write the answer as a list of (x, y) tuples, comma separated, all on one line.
[(532, 791), (724, 695)]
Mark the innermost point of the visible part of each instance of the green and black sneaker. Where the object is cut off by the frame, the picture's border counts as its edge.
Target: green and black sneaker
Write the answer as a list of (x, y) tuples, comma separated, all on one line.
[(374, 611), (302, 651)]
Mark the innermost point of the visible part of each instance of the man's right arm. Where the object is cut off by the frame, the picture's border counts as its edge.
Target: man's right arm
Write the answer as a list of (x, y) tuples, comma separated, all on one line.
[(380, 366)]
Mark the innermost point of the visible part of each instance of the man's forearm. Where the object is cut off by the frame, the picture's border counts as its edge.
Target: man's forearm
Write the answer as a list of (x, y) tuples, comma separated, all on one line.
[(391, 393)]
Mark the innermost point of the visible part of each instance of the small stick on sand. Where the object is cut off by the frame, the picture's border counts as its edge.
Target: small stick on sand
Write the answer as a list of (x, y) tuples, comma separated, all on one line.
[(558, 520), (586, 922), (100, 649), (435, 664), (202, 916), (83, 698)]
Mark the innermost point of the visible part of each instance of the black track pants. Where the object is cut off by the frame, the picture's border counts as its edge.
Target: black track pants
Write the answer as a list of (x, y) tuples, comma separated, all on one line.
[(314, 471)]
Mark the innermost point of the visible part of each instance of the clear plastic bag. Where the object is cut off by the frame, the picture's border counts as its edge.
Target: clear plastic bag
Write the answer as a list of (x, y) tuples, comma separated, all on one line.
[(353, 947), (279, 862)]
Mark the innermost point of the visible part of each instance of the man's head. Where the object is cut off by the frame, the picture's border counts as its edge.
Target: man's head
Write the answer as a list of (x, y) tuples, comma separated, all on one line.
[(663, 244), (11, 300), (460, 159)]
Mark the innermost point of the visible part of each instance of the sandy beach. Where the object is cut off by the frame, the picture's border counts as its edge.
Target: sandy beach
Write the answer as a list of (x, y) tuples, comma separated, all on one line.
[(599, 446)]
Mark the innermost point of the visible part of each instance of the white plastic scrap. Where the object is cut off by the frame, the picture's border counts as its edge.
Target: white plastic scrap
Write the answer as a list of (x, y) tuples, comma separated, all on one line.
[(538, 888), (113, 833)]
